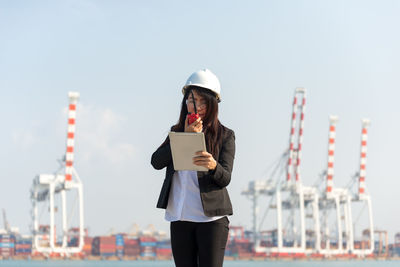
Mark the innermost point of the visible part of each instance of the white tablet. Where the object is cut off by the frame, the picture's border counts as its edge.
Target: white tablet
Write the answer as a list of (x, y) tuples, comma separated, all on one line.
[(184, 147)]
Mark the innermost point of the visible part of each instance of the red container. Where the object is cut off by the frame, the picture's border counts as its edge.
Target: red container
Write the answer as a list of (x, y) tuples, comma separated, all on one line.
[(164, 252), (147, 239), (23, 246), (86, 240), (132, 252), (131, 242), (6, 252), (147, 250), (87, 247), (103, 245)]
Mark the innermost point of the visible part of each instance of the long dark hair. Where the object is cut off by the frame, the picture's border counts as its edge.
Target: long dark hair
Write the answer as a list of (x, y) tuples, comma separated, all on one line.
[(212, 128)]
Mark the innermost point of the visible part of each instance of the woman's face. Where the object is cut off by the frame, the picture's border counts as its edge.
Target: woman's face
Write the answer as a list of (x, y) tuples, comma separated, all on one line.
[(200, 104)]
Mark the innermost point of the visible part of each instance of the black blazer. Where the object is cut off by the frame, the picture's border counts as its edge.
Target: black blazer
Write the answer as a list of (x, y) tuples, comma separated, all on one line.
[(212, 184)]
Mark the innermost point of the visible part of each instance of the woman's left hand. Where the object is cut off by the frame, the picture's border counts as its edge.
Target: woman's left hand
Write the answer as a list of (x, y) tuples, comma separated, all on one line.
[(205, 159)]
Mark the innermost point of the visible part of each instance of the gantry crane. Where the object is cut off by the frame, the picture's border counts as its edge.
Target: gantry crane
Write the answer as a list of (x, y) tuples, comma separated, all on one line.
[(335, 199), (300, 202), (363, 197), (65, 181)]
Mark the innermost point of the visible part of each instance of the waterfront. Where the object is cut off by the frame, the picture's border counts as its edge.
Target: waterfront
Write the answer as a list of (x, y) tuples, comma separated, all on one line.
[(352, 263)]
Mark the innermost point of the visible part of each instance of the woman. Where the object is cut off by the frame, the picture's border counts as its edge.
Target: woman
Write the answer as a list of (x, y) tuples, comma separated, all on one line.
[(197, 203)]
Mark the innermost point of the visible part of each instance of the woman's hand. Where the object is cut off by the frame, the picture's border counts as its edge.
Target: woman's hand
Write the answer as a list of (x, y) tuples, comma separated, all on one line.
[(195, 127), (205, 159)]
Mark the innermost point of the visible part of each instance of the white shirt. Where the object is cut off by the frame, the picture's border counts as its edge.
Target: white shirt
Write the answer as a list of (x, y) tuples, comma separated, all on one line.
[(184, 202)]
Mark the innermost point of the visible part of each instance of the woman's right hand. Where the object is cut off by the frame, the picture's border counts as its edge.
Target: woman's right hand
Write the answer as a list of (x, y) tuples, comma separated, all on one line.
[(195, 127)]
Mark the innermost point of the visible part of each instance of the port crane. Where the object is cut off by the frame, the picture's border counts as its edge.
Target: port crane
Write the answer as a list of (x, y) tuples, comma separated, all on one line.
[(298, 206), (64, 183), (287, 196), (337, 200), (362, 197)]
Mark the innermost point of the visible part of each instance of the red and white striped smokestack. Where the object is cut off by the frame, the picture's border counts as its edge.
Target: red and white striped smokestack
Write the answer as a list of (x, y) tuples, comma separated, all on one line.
[(331, 154), (295, 145), (69, 155), (363, 157)]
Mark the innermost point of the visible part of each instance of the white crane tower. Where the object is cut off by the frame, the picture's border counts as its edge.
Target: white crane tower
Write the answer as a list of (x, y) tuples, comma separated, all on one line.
[(288, 195), (337, 200), (342, 202), (65, 181), (362, 196)]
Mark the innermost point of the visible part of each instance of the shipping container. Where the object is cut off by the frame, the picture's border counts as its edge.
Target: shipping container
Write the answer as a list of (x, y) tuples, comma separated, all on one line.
[(23, 246), (148, 254), (119, 242), (131, 247), (131, 251), (119, 239), (164, 252), (164, 244), (104, 245), (146, 239), (130, 242), (87, 247), (7, 252), (7, 236), (7, 245), (24, 241), (107, 254)]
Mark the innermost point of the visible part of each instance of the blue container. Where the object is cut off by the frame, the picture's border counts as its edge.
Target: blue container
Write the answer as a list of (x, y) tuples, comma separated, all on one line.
[(6, 245), (163, 245), (24, 242), (148, 244), (147, 254), (228, 253), (23, 251), (119, 240)]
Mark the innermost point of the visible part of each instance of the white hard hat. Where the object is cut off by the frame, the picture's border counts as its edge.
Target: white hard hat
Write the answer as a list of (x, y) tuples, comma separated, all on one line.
[(206, 79)]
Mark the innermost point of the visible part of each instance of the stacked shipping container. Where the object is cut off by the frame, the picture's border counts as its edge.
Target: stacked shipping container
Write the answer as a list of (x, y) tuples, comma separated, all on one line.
[(238, 244), (23, 246), (7, 245), (132, 247), (396, 245), (147, 246), (87, 247), (163, 249), (119, 242), (240, 249), (104, 246)]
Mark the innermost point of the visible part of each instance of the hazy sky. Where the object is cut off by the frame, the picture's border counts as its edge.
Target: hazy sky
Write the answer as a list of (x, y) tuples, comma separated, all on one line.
[(130, 59)]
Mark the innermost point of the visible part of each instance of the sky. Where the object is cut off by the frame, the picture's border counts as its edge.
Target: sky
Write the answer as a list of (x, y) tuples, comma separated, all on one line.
[(129, 61)]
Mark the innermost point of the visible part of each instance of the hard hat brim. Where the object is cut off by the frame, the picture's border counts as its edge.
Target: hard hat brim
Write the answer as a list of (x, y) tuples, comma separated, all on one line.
[(199, 85)]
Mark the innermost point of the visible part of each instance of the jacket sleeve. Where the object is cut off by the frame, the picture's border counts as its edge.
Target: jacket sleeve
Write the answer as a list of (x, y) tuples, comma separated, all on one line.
[(162, 156), (221, 175)]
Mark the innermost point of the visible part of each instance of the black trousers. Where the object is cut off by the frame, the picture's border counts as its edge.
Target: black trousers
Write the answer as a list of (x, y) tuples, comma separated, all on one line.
[(197, 244)]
